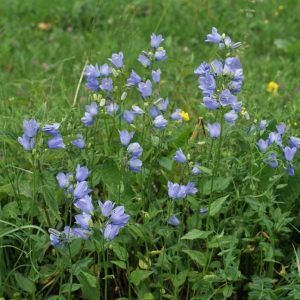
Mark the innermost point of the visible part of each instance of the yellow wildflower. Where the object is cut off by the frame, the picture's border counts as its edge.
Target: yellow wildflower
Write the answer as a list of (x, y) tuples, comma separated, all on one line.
[(272, 87), (280, 7), (276, 13), (266, 21), (184, 115)]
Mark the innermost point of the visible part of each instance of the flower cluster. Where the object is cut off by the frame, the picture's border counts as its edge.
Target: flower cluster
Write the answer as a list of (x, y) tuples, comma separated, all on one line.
[(220, 81), (276, 139), (31, 128), (112, 219)]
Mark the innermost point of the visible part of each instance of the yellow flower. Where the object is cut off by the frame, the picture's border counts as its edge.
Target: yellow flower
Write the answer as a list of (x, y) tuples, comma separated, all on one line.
[(276, 13), (280, 7), (266, 21), (272, 87), (184, 115)]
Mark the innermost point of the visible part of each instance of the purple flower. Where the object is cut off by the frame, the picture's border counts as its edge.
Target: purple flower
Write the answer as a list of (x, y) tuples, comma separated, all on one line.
[(31, 127), (230, 117), (294, 142), (156, 75), (117, 59), (125, 137), (51, 129), (290, 171), (92, 109), (263, 145), (160, 122), (82, 173), (203, 211), (85, 204), (280, 128), (127, 116), (210, 103), (275, 137), (105, 70), (55, 239), (134, 79), (63, 180), (154, 111), (235, 86), (202, 69), (195, 169), (214, 37), (107, 85), (156, 40), (56, 142), (226, 98), (173, 221), (144, 60), (136, 111), (176, 115), (238, 75), (272, 161), (135, 150), (135, 164), (233, 63), (237, 106), (92, 84), (289, 153), (160, 55), (82, 233), (88, 120), (81, 190), (91, 71), (118, 217), (112, 108), (145, 88), (263, 125), (110, 231), (164, 105), (26, 142), (84, 220), (79, 143), (190, 188), (214, 130), (176, 191), (207, 82), (216, 67), (180, 157), (106, 207)]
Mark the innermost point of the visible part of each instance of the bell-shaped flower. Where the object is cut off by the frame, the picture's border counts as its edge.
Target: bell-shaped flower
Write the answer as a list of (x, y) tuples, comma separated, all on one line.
[(107, 84), (117, 59), (144, 60), (91, 71), (85, 204), (190, 188), (294, 142), (160, 55), (230, 117), (79, 143), (125, 137), (145, 88), (56, 142), (135, 164), (173, 221), (263, 145), (134, 79), (112, 108), (160, 122), (128, 116), (195, 169), (51, 129), (202, 69), (289, 153), (82, 173), (92, 84), (214, 130), (280, 128), (64, 179), (81, 190), (110, 231), (31, 127), (156, 75), (176, 115), (155, 40), (210, 103), (180, 157), (214, 37), (136, 111), (118, 217), (290, 170), (135, 150), (26, 142), (272, 161), (105, 70), (106, 207), (84, 220)]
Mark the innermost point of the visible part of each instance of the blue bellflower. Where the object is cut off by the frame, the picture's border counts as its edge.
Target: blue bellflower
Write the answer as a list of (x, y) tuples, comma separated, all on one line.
[(128, 116), (144, 60), (107, 84), (112, 108), (79, 143), (230, 117), (202, 69), (135, 164), (145, 88), (134, 79), (176, 115), (82, 173), (117, 59), (272, 161), (136, 111), (214, 37), (179, 156), (31, 127), (289, 153), (173, 221), (210, 103), (26, 142), (160, 122), (156, 75), (105, 70), (125, 137), (85, 204), (214, 130), (160, 55), (135, 150), (81, 190), (51, 129), (156, 40), (56, 142), (106, 207)]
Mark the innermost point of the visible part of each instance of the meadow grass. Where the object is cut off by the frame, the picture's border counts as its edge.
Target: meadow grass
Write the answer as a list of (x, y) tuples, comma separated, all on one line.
[(245, 247)]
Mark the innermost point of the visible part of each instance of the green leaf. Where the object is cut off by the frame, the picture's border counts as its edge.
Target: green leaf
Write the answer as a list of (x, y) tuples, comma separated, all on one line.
[(205, 170), (138, 275), (196, 234), (180, 278), (227, 292), (66, 287), (120, 251), (197, 256), (90, 285), (24, 283), (110, 171), (47, 187), (216, 205), (182, 138), (119, 263), (220, 184), (166, 163)]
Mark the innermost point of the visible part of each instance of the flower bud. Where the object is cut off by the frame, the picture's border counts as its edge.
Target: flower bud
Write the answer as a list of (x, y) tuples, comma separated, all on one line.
[(102, 102), (115, 73), (95, 97), (223, 36), (33, 151), (123, 97), (110, 246), (115, 88), (188, 156)]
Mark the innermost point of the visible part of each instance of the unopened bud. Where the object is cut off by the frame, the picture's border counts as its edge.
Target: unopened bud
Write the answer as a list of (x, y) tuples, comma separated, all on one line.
[(67, 184), (89, 145), (115, 88), (110, 246), (236, 45), (160, 48), (115, 73), (188, 156), (102, 102), (71, 177), (124, 95), (223, 36), (95, 97), (133, 126), (91, 224), (37, 156), (146, 104), (145, 66), (33, 151)]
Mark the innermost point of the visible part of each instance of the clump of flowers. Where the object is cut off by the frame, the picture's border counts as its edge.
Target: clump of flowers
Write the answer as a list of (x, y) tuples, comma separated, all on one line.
[(272, 87)]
